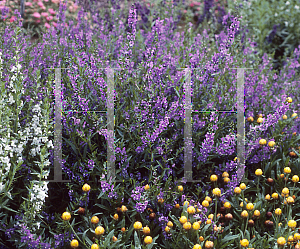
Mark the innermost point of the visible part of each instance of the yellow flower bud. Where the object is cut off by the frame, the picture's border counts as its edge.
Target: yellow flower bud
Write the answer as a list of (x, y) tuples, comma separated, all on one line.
[(258, 172)]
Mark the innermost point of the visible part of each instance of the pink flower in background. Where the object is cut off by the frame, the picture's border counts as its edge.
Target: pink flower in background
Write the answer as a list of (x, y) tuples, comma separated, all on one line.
[(46, 0), (41, 5), (45, 14), (28, 4), (51, 11), (38, 21), (47, 25), (13, 18), (54, 24), (192, 4), (36, 14), (49, 18), (55, 1)]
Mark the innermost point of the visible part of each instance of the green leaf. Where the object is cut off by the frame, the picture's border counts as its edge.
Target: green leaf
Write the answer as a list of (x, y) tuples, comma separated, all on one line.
[(72, 145), (230, 237), (108, 238), (137, 241), (102, 206)]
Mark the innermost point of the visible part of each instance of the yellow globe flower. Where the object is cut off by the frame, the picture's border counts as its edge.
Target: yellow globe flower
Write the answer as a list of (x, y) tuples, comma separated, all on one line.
[(148, 240), (297, 236), (285, 191), (294, 115), (271, 144), (137, 225), (191, 210), (116, 217), (201, 238), (227, 205), (196, 226), (123, 209), (209, 244), (146, 230), (66, 216), (242, 186), (289, 100), (259, 120), (208, 199), (197, 246), (94, 246), (241, 204), (237, 190), (290, 200), (244, 214), (250, 119), (262, 141), (258, 172), (205, 203), (147, 187), (256, 213), (244, 242), (284, 117), (216, 191), (74, 243), (167, 229), (290, 238), (95, 220), (160, 200), (99, 230), (211, 216), (187, 226), (281, 241), (287, 170), (226, 179), (225, 174), (187, 203), (267, 197), (180, 188), (208, 221), (249, 206), (213, 178), (295, 178), (114, 238), (86, 188), (278, 211), (275, 196), (183, 219), (170, 224), (292, 223)]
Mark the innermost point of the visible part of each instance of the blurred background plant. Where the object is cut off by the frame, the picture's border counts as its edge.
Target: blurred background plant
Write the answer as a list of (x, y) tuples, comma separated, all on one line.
[(273, 24)]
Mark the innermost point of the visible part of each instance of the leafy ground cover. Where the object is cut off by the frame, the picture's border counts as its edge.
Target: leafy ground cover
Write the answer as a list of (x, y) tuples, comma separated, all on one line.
[(151, 207)]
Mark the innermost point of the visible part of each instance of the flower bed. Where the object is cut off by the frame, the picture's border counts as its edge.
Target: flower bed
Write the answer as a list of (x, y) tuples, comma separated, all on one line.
[(152, 206)]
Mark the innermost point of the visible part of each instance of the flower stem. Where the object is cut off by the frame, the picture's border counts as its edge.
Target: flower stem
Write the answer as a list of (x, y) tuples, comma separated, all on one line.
[(77, 235)]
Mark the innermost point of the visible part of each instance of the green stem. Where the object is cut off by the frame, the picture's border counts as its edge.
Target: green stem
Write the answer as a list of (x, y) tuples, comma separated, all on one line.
[(215, 216), (276, 224), (77, 235), (246, 225)]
